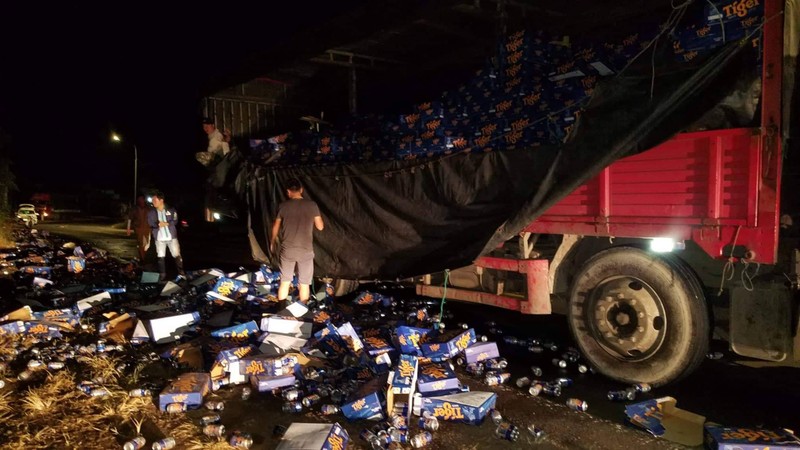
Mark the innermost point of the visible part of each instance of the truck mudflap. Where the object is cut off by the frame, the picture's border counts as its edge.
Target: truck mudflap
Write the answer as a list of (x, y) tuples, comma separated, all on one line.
[(763, 323)]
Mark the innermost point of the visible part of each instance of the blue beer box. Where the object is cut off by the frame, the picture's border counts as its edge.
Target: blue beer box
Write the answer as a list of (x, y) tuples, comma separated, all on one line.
[(718, 437), (41, 271), (42, 330), (366, 407), (314, 436), (242, 331), (233, 355), (268, 365), (481, 352), (409, 338), (377, 346), (57, 315), (371, 298), (448, 348), (350, 337), (12, 327), (404, 374), (437, 379), (467, 407), (264, 383), (189, 389), (75, 264), (228, 288)]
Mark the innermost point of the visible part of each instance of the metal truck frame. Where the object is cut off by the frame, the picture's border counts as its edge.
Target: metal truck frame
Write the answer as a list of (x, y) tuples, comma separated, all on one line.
[(643, 316)]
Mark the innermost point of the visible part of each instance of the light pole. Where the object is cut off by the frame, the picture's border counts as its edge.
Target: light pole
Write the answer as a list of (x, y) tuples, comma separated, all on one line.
[(117, 138)]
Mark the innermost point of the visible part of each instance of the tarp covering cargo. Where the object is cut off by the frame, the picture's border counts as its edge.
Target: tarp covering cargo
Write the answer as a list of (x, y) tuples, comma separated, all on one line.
[(419, 213)]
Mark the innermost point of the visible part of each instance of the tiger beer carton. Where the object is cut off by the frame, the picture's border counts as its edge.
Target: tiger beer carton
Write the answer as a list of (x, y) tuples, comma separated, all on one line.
[(408, 339), (239, 332), (718, 437), (264, 383), (189, 389), (268, 365), (437, 379), (448, 345), (368, 403), (481, 352), (402, 383), (314, 436), (466, 407)]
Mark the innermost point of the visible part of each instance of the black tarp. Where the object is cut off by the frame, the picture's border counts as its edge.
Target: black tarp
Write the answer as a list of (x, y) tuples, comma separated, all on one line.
[(397, 219)]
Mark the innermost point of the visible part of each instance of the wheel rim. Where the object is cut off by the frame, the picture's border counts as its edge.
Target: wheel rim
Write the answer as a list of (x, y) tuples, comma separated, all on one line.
[(627, 318)]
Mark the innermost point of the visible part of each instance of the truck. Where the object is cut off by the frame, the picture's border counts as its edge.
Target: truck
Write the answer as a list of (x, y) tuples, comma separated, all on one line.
[(649, 260), (662, 251)]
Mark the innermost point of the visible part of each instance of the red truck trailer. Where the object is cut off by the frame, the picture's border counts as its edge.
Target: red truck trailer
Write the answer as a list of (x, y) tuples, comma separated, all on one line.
[(639, 311)]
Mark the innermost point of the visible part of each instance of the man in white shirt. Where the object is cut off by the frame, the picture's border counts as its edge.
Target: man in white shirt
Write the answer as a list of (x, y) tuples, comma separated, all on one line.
[(162, 220), (217, 143)]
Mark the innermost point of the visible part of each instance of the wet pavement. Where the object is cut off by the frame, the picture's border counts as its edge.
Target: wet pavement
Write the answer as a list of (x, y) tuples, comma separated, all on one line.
[(721, 390)]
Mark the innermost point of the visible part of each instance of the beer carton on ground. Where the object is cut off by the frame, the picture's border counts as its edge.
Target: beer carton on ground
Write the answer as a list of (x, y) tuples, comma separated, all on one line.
[(437, 379), (263, 383), (448, 345), (662, 418), (286, 326), (481, 352), (369, 402), (240, 332), (189, 389), (467, 407), (402, 383), (409, 339), (314, 436), (718, 437), (268, 365)]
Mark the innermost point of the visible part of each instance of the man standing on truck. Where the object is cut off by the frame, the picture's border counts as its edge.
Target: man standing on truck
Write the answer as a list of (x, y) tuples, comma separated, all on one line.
[(138, 218), (297, 217), (218, 148), (162, 222)]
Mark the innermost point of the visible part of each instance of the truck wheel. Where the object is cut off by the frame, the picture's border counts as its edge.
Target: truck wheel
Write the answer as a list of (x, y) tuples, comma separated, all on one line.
[(638, 317)]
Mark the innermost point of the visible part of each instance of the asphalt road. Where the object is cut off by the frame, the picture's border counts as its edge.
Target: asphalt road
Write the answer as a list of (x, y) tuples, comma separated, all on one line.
[(724, 391)]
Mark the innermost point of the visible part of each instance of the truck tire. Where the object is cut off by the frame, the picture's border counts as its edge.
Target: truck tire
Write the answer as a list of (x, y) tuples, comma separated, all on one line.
[(638, 317)]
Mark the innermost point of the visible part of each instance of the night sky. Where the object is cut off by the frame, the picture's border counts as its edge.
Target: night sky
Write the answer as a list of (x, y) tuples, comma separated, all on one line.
[(70, 75)]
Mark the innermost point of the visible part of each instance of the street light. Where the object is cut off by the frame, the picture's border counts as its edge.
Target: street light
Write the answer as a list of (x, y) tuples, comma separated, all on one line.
[(117, 138)]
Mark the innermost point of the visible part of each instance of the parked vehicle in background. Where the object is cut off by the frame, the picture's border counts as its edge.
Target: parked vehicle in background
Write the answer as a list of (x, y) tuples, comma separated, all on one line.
[(27, 214)]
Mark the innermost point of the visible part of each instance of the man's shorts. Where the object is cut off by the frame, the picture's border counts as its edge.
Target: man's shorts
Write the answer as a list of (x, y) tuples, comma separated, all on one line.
[(304, 267)]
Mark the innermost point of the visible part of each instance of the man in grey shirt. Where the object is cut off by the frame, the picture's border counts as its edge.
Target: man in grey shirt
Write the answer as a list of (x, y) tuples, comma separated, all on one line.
[(297, 218)]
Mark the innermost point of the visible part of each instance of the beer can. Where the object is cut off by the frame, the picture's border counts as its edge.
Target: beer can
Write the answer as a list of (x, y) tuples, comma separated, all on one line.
[(139, 393), (34, 364), (552, 390), (215, 405), (428, 423), (537, 371), (642, 388), (293, 407), (496, 364), (507, 431), (246, 391), (311, 400), (176, 408), (474, 369), (209, 419), (577, 404), (327, 410), (135, 443), (399, 422), (495, 415), (582, 368), (563, 382), (291, 394), (536, 432), (421, 440), (621, 396), (214, 430), (559, 363), (55, 365), (164, 444), (535, 390), (241, 440), (523, 381), (500, 378), (99, 392)]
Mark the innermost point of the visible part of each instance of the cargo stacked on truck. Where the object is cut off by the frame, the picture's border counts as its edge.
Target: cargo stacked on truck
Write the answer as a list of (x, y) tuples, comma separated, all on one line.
[(565, 175)]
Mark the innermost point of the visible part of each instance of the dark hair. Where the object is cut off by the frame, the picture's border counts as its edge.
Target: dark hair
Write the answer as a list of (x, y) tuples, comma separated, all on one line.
[(208, 121), (158, 194), (293, 185)]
